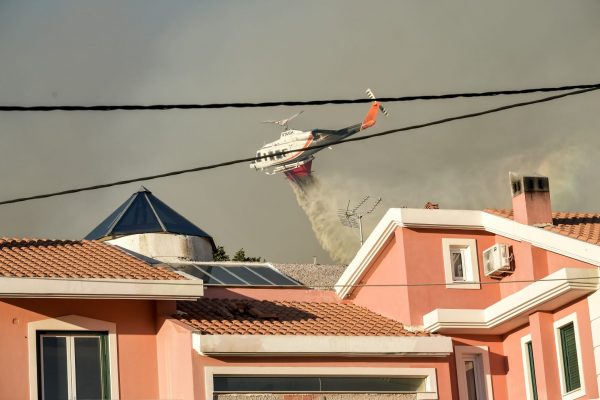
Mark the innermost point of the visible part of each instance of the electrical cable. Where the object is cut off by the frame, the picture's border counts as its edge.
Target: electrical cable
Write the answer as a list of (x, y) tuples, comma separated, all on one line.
[(424, 284), (250, 159), (132, 107)]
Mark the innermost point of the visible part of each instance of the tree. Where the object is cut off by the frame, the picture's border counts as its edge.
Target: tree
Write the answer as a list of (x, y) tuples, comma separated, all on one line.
[(240, 255), (220, 254)]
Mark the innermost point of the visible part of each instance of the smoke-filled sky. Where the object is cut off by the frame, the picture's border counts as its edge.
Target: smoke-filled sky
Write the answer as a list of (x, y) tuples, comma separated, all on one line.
[(69, 52)]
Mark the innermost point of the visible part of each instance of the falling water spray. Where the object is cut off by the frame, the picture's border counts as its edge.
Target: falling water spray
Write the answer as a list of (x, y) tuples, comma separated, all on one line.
[(319, 203)]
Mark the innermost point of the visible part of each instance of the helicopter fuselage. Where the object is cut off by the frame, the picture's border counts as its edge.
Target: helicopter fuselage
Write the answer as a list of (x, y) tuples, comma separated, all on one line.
[(295, 146)]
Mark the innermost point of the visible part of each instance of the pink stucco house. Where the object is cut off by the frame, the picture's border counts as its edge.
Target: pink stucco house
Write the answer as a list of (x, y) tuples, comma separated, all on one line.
[(516, 290), (438, 304)]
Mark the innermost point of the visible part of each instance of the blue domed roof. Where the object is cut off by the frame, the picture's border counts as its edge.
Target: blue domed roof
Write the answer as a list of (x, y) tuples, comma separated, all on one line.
[(145, 213)]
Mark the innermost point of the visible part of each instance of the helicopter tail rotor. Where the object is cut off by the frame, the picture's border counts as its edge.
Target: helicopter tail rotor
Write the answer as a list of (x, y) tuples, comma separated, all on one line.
[(381, 108)]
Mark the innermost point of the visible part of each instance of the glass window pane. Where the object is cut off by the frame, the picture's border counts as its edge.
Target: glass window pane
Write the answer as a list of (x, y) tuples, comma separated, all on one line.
[(371, 384), (88, 368), (458, 273), (55, 384), (471, 380), (317, 384), (261, 384)]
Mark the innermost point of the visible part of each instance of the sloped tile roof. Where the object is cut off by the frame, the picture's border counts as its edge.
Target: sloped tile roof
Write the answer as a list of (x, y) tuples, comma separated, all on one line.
[(43, 258), (582, 226), (254, 317)]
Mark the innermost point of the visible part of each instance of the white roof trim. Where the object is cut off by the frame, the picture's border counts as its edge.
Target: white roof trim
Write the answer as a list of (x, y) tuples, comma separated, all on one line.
[(459, 219), (561, 287), (101, 288), (304, 345)]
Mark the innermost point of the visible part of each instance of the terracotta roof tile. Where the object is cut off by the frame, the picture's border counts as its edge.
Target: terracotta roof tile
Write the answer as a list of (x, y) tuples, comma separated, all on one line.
[(254, 317), (582, 226), (44, 258)]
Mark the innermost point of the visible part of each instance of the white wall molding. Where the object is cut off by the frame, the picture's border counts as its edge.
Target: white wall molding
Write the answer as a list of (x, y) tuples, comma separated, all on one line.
[(101, 288), (464, 220), (304, 345), (557, 289)]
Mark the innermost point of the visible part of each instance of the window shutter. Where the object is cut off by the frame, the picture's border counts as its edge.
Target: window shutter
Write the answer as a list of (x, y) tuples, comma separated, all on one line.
[(534, 392), (569, 357)]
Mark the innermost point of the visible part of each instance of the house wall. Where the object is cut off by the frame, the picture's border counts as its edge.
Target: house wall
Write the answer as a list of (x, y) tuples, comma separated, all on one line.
[(506, 355), (415, 256), (135, 324), (389, 267), (175, 361)]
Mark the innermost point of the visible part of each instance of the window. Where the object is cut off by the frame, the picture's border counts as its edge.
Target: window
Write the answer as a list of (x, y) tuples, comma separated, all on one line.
[(73, 365), (460, 263), (529, 368), (299, 380), (457, 260), (473, 372), (569, 357), (317, 384), (66, 352)]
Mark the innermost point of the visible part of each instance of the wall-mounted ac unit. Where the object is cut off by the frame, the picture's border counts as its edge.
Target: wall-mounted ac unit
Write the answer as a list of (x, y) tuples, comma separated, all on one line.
[(497, 260)]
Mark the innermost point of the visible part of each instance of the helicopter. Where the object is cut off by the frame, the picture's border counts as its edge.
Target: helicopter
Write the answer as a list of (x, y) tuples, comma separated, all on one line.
[(292, 154)]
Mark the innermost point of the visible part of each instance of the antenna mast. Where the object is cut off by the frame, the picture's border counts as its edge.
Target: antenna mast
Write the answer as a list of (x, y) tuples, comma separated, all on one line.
[(352, 218)]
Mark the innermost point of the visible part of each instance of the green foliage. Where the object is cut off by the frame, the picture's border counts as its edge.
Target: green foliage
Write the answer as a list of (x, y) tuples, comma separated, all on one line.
[(220, 254)]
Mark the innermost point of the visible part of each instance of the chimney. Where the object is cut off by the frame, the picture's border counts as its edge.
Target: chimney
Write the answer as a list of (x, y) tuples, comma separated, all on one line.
[(531, 199)]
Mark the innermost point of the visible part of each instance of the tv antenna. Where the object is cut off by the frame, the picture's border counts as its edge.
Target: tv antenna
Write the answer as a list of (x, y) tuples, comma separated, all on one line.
[(352, 217)]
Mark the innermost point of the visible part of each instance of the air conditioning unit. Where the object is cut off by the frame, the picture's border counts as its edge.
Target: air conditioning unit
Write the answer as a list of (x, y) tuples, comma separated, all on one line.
[(497, 260)]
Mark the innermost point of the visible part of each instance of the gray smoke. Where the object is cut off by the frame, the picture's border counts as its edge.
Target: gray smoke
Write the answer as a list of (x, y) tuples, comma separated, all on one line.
[(320, 203)]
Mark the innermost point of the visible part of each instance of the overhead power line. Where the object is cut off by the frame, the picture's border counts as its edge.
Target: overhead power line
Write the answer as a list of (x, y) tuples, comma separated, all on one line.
[(583, 279), (132, 107), (250, 159)]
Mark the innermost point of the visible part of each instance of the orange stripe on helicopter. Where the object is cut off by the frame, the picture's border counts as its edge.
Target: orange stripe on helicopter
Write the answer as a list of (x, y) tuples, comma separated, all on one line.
[(308, 142), (371, 116)]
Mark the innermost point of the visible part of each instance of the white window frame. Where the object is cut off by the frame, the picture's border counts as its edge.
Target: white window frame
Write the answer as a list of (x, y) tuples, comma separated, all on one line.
[(471, 263), (429, 374), (72, 324), (577, 393), (526, 369), (466, 353), (70, 353)]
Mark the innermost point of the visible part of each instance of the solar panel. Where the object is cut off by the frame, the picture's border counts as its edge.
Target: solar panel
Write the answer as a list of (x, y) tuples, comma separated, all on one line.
[(198, 273), (274, 276), (223, 274)]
